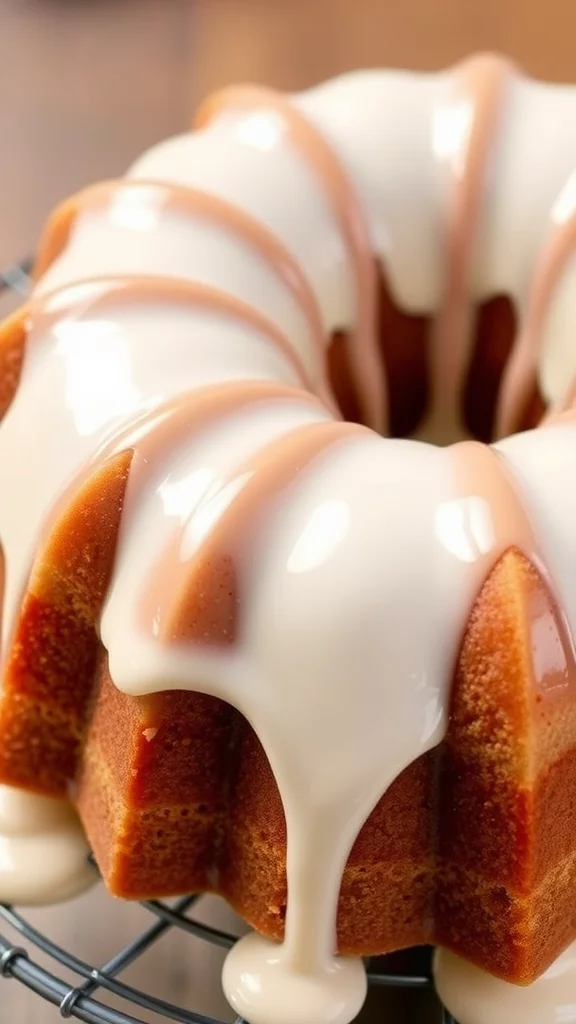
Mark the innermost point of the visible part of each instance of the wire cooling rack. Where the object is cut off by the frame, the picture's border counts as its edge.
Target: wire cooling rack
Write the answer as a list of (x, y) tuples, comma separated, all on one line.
[(79, 999)]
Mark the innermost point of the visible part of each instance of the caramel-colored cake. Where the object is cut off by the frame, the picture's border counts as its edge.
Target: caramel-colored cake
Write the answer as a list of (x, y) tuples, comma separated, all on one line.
[(237, 621)]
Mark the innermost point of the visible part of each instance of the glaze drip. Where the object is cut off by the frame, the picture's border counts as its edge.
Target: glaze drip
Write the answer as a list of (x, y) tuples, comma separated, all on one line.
[(464, 129), (475, 997), (300, 568), (348, 214)]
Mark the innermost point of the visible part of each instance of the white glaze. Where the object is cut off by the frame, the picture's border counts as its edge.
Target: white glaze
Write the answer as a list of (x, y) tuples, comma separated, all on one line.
[(350, 747), (182, 486), (332, 570), (525, 184), (407, 225), (136, 232), (261, 987), (543, 461), (559, 351), (43, 850), (402, 181), (327, 790), (92, 374), (474, 997), (273, 184)]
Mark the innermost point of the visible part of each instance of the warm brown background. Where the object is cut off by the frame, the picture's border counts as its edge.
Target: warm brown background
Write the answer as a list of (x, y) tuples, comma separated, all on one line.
[(87, 84)]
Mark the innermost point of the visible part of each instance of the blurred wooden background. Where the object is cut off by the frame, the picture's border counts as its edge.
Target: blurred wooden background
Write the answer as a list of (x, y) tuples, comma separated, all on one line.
[(292, 43), (85, 85)]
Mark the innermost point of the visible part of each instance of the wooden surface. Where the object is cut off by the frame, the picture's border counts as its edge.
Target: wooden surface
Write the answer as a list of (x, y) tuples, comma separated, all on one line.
[(85, 86), (293, 43)]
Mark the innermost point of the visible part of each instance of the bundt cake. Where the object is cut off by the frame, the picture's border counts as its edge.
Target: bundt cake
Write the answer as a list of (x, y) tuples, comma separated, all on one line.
[(259, 649)]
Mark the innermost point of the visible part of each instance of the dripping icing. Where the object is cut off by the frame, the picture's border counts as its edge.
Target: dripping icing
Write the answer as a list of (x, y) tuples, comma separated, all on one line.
[(474, 997), (463, 518), (364, 356), (43, 850)]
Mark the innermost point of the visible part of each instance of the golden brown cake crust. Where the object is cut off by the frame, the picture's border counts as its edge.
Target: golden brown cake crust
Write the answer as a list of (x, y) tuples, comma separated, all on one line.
[(49, 675), (472, 847)]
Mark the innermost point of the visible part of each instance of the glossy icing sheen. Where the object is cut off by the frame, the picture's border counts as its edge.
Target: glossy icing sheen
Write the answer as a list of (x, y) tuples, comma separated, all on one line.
[(477, 998), (43, 851), (184, 313)]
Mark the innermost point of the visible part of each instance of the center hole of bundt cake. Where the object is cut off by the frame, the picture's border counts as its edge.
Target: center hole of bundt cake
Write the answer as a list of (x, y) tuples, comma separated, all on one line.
[(405, 340)]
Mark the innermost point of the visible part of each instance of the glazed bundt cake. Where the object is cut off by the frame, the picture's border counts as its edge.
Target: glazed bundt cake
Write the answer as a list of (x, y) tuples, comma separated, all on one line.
[(259, 649)]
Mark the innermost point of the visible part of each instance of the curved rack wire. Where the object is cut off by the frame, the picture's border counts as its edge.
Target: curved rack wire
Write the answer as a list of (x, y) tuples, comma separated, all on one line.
[(78, 1000)]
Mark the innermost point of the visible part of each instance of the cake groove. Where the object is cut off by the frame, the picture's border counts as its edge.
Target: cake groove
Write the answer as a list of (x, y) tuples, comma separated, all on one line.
[(264, 651)]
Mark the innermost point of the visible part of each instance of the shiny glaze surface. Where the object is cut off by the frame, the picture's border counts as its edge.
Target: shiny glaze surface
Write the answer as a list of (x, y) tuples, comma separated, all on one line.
[(184, 313)]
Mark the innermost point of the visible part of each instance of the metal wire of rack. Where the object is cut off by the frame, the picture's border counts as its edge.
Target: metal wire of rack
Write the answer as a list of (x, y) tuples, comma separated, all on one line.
[(78, 1000)]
